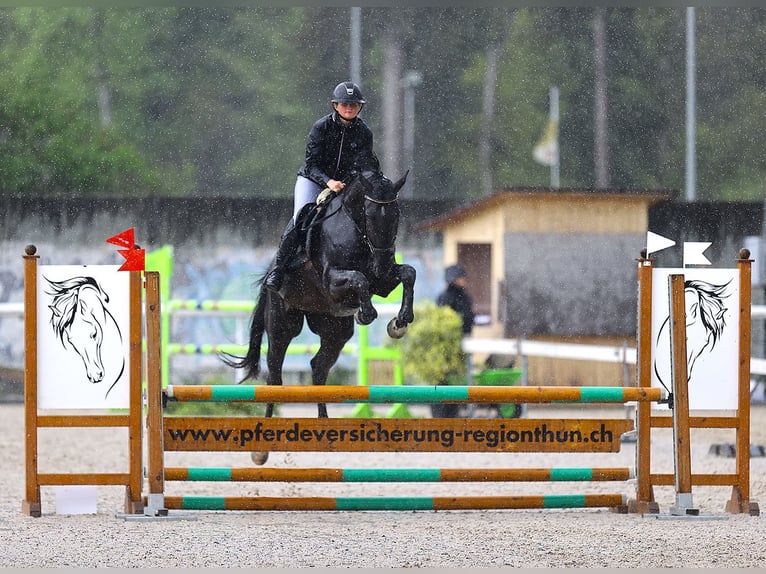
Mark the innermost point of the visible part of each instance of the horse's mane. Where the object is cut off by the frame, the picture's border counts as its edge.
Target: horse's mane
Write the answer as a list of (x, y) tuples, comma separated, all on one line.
[(65, 296), (711, 306)]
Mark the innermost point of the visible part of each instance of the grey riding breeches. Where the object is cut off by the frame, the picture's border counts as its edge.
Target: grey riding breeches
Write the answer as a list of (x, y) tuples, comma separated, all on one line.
[(306, 191)]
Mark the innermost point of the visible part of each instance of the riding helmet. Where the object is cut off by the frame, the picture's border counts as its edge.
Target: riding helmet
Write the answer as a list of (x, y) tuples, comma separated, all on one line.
[(452, 272), (347, 92)]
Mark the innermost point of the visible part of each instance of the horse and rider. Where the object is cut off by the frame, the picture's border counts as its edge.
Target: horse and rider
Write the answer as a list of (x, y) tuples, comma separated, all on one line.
[(337, 251), (338, 148)]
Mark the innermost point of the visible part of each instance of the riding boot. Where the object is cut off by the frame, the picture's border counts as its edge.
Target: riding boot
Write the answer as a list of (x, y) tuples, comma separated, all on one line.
[(288, 245)]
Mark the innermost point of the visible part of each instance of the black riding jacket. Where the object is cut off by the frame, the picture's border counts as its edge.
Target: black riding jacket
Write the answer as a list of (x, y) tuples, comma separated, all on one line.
[(459, 299), (335, 151)]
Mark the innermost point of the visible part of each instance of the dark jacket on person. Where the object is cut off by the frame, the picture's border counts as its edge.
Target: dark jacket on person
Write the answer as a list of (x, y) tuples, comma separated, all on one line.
[(337, 151), (459, 299)]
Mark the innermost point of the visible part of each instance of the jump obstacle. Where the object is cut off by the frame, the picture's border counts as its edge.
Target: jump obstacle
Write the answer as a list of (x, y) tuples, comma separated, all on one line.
[(739, 480), (166, 434), (132, 480)]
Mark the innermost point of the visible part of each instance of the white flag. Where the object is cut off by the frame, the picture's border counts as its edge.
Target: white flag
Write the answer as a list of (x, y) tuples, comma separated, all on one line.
[(546, 151), (655, 242), (693, 253)]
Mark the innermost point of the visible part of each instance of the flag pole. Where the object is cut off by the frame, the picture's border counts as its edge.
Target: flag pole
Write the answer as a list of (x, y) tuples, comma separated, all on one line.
[(554, 116)]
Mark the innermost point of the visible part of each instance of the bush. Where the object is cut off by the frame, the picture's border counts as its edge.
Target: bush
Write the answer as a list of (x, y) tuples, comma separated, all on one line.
[(430, 350)]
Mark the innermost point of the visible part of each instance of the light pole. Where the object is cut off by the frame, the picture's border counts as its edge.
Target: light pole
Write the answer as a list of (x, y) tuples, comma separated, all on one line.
[(691, 162), (355, 46), (411, 80)]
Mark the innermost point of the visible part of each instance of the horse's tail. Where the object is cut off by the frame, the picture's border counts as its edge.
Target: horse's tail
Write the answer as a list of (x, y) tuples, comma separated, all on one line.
[(251, 361)]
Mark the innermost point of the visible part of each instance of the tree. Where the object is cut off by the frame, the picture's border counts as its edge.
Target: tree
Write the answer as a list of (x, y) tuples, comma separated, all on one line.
[(218, 101), (53, 142)]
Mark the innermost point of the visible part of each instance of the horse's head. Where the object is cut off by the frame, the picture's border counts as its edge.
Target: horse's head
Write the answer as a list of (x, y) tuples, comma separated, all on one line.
[(381, 216), (77, 317)]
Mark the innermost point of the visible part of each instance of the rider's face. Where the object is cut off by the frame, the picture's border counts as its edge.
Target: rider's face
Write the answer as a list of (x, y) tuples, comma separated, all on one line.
[(347, 110)]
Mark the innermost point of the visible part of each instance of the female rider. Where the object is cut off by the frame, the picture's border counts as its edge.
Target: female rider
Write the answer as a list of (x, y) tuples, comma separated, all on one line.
[(338, 147)]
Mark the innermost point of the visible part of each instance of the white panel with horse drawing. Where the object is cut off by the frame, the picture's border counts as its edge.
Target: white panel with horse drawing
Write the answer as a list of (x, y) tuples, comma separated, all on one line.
[(712, 335), (82, 337)]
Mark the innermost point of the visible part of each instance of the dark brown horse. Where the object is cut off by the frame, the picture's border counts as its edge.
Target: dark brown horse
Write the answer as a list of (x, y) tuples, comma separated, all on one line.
[(349, 257)]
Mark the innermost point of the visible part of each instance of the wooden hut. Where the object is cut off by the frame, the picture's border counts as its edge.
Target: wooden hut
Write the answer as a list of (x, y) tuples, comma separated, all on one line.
[(553, 265)]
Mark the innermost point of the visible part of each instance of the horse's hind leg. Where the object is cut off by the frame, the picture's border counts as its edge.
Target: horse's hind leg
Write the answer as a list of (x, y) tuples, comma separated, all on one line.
[(334, 333), (282, 327)]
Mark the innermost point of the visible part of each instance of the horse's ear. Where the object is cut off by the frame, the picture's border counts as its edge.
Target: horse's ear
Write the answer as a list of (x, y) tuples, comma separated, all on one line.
[(399, 184)]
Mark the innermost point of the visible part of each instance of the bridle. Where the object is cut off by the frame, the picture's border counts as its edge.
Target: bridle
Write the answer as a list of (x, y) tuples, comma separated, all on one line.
[(380, 201), (363, 232)]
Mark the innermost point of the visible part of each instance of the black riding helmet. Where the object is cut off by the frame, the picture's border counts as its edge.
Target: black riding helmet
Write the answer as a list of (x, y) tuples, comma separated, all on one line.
[(347, 92)]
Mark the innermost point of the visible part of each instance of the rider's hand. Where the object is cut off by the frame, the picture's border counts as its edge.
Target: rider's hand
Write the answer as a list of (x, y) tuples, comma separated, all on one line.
[(336, 185)]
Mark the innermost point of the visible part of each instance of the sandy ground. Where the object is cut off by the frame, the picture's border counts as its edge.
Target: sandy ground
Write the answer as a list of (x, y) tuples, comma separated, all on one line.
[(414, 539)]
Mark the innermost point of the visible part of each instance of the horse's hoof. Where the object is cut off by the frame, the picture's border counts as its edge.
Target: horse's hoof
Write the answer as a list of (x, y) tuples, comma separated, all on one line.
[(259, 458), (394, 331), (362, 319)]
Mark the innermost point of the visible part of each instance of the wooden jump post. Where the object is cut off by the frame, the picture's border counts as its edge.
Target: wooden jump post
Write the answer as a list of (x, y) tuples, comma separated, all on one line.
[(684, 479), (204, 434), (33, 421)]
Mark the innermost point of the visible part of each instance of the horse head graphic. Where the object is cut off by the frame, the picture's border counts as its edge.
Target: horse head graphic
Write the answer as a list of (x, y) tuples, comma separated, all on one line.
[(82, 322), (705, 324)]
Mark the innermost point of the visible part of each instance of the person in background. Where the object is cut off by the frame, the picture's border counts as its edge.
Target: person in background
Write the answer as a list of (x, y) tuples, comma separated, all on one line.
[(456, 296), (338, 147)]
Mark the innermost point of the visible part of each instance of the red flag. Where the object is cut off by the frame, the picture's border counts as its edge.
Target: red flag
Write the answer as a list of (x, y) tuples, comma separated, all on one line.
[(135, 259), (124, 239)]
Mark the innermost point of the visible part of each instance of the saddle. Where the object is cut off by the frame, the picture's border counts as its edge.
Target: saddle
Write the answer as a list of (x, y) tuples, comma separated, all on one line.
[(306, 223)]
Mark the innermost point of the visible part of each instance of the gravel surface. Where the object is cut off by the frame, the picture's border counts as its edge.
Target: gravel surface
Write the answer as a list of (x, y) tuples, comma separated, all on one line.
[(576, 538)]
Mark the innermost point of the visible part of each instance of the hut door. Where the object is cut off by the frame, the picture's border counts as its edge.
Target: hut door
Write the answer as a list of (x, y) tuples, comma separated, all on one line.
[(476, 259)]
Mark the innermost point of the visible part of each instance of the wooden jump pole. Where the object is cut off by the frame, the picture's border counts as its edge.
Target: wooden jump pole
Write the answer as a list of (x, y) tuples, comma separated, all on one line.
[(155, 505), (644, 503), (414, 394), (740, 496), (31, 505), (225, 474), (393, 503)]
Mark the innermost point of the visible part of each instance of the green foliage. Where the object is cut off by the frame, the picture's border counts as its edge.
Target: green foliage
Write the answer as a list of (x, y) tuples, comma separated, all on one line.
[(219, 100), (430, 350)]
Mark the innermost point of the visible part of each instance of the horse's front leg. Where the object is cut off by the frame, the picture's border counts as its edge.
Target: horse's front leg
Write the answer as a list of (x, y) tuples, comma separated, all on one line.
[(345, 284), (397, 327)]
